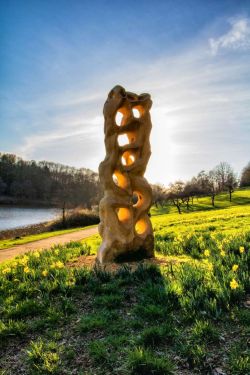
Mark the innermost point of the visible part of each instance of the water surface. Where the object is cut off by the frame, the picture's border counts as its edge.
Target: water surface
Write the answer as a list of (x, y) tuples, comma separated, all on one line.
[(14, 217)]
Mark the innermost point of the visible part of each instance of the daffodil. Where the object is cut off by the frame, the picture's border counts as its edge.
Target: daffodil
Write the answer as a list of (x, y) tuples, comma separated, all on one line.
[(45, 273), (233, 284), (26, 270), (59, 264), (235, 267), (222, 253), (24, 260), (70, 282), (242, 249), (6, 270), (36, 254), (56, 252), (210, 266), (207, 253)]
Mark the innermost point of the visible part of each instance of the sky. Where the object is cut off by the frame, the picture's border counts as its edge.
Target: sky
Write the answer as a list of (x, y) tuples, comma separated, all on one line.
[(59, 60)]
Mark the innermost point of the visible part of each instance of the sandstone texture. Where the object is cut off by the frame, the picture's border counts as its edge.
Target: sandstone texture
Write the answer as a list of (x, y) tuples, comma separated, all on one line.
[(125, 226)]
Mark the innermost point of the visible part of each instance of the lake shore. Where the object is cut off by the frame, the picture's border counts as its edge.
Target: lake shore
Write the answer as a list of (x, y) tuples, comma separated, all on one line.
[(75, 219), (26, 230)]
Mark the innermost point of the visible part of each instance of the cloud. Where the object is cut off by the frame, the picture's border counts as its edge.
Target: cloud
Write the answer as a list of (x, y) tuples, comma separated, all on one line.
[(238, 37), (39, 144), (200, 110)]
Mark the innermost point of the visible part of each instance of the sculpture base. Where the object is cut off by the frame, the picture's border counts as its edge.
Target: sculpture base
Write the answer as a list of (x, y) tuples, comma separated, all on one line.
[(118, 252), (132, 256)]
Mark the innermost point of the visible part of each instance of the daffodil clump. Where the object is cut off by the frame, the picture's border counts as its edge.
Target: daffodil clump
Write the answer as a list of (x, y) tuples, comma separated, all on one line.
[(234, 284), (40, 264)]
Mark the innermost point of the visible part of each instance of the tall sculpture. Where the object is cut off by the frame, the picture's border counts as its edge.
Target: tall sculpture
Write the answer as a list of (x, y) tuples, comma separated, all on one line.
[(125, 226)]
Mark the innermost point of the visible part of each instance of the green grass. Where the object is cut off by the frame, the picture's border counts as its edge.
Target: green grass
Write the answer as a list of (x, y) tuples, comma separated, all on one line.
[(239, 197), (5, 244), (185, 317)]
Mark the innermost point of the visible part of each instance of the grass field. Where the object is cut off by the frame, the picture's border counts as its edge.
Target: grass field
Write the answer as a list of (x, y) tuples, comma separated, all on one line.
[(188, 316), (239, 197), (5, 244)]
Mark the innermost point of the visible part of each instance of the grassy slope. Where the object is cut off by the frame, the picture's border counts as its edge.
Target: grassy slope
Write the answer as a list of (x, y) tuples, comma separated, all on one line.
[(240, 197), (4, 244), (186, 317)]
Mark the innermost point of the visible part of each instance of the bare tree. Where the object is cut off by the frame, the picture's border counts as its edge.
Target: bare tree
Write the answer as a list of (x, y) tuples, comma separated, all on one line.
[(208, 184), (245, 176), (176, 194), (226, 178), (191, 190), (159, 194)]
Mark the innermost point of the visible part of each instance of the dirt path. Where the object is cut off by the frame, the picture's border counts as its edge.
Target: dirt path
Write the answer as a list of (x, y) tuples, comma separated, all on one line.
[(46, 243)]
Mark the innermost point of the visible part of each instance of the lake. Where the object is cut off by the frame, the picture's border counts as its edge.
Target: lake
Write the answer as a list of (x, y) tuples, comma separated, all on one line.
[(14, 217)]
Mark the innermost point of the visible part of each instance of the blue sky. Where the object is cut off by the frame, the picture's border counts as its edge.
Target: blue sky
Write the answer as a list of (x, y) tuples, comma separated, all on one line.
[(59, 59)]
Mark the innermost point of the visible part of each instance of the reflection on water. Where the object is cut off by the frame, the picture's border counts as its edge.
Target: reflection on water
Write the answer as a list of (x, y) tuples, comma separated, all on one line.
[(13, 217)]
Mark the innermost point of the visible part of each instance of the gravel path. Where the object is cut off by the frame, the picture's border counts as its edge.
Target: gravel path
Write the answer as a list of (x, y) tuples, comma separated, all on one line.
[(11, 252)]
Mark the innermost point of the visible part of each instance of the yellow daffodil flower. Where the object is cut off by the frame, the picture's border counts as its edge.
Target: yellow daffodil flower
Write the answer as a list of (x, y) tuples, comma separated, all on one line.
[(59, 264), (26, 270), (234, 284), (6, 270), (235, 267), (242, 249)]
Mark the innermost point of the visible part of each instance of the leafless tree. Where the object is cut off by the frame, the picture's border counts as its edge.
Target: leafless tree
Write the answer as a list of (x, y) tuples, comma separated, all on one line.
[(245, 176), (176, 194), (208, 184), (226, 178), (159, 194)]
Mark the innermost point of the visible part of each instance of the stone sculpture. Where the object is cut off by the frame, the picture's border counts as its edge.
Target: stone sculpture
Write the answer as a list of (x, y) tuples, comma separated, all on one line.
[(125, 226)]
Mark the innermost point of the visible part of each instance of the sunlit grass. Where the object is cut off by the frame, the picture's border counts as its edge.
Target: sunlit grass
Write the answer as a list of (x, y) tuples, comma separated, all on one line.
[(185, 316)]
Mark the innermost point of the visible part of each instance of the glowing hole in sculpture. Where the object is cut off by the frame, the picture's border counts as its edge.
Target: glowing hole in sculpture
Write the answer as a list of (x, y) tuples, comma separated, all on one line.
[(123, 214), (118, 118), (123, 139), (141, 226), (128, 158), (136, 113), (137, 199), (120, 180)]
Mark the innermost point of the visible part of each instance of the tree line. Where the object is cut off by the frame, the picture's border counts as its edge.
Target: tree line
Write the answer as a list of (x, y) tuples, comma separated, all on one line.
[(47, 183), (65, 187), (222, 178)]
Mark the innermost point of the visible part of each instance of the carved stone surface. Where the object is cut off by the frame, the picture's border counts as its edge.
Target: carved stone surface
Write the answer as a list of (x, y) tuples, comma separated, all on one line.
[(125, 226)]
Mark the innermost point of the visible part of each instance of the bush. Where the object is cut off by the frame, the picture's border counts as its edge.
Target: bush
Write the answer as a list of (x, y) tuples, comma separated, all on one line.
[(76, 218)]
